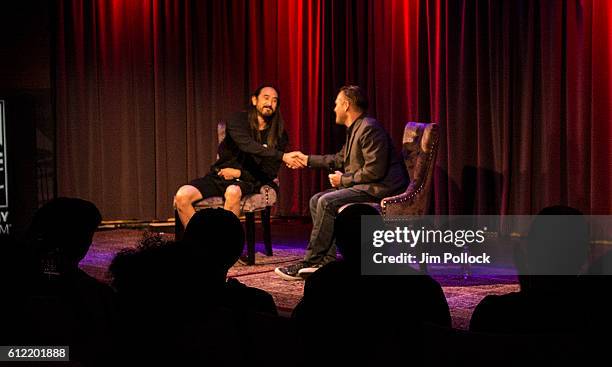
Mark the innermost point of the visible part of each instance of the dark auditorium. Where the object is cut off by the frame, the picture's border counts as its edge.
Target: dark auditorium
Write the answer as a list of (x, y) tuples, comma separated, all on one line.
[(305, 183)]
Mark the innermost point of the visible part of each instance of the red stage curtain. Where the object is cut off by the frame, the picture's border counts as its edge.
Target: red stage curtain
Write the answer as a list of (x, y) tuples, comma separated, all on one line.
[(522, 91)]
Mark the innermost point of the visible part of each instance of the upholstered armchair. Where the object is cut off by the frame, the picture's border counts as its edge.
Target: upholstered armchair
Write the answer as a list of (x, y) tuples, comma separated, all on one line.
[(261, 202), (420, 149)]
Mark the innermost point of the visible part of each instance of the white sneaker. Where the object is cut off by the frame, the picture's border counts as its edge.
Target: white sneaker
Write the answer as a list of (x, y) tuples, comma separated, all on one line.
[(308, 271), (290, 272)]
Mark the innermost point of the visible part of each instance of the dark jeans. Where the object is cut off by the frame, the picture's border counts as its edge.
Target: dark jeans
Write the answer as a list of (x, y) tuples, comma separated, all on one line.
[(323, 209)]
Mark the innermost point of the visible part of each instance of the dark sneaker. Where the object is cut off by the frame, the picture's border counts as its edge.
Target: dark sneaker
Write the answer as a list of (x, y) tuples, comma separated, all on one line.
[(290, 272), (307, 271)]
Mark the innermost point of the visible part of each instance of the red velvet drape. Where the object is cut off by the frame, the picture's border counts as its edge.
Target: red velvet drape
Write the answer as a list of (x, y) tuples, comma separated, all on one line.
[(522, 91)]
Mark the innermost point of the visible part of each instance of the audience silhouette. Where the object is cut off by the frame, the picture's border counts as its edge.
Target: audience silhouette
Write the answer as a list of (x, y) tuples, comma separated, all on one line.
[(172, 303), (550, 297), (175, 299), (216, 237), (47, 299), (366, 319), (597, 283)]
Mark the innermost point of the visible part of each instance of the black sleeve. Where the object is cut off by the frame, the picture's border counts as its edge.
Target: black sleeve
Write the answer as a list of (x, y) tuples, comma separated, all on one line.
[(245, 175), (238, 129), (270, 167), (283, 142)]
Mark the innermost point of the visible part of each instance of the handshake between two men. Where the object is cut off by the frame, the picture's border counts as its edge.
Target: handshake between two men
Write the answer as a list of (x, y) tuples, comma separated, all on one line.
[(297, 159)]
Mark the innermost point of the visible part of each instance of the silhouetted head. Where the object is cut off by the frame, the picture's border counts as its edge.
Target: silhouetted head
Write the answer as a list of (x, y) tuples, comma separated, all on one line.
[(347, 228), (216, 236), (146, 268), (557, 241), (65, 226), (157, 283)]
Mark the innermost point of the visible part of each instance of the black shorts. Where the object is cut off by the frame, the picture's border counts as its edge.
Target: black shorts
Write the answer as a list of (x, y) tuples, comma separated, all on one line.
[(214, 185)]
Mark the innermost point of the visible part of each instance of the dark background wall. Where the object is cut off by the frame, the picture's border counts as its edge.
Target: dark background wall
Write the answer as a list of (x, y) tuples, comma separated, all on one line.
[(521, 90), (26, 87)]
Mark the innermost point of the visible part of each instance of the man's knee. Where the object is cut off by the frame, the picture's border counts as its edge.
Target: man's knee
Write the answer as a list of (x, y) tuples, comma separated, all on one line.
[(325, 202), (314, 201), (332, 201), (233, 193), (186, 195)]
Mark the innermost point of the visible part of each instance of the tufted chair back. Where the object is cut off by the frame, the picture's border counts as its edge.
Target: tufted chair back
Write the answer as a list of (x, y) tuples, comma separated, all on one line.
[(220, 136), (420, 149)]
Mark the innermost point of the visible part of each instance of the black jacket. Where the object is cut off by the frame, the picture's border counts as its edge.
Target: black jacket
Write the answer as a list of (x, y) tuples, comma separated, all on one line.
[(368, 161), (240, 149)]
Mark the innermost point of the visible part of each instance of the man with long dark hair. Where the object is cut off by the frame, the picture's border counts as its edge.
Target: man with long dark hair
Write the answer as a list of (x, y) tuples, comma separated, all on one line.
[(249, 156)]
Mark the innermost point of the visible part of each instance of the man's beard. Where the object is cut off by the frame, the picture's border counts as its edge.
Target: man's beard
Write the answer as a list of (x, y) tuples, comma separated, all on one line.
[(267, 118)]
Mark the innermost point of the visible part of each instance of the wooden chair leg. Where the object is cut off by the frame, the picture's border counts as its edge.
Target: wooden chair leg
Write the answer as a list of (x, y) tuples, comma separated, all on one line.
[(250, 237), (179, 230), (267, 236)]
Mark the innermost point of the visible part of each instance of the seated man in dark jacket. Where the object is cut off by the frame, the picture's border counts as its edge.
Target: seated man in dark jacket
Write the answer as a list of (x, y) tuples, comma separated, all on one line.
[(366, 169)]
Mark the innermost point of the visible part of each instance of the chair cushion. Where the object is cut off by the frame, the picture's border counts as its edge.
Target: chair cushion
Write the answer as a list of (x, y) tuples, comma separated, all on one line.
[(266, 197), (211, 202), (250, 203)]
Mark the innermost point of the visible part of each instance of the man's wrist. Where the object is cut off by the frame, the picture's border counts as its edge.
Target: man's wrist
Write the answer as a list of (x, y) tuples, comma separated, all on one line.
[(346, 180)]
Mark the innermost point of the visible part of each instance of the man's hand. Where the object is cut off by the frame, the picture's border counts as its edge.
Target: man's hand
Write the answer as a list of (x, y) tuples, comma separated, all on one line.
[(295, 159), (334, 178), (229, 173)]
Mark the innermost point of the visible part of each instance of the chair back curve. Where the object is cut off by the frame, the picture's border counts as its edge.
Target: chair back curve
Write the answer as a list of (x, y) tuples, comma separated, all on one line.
[(419, 149)]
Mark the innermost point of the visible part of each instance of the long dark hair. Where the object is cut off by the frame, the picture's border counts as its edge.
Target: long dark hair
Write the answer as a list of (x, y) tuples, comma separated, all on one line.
[(276, 122)]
